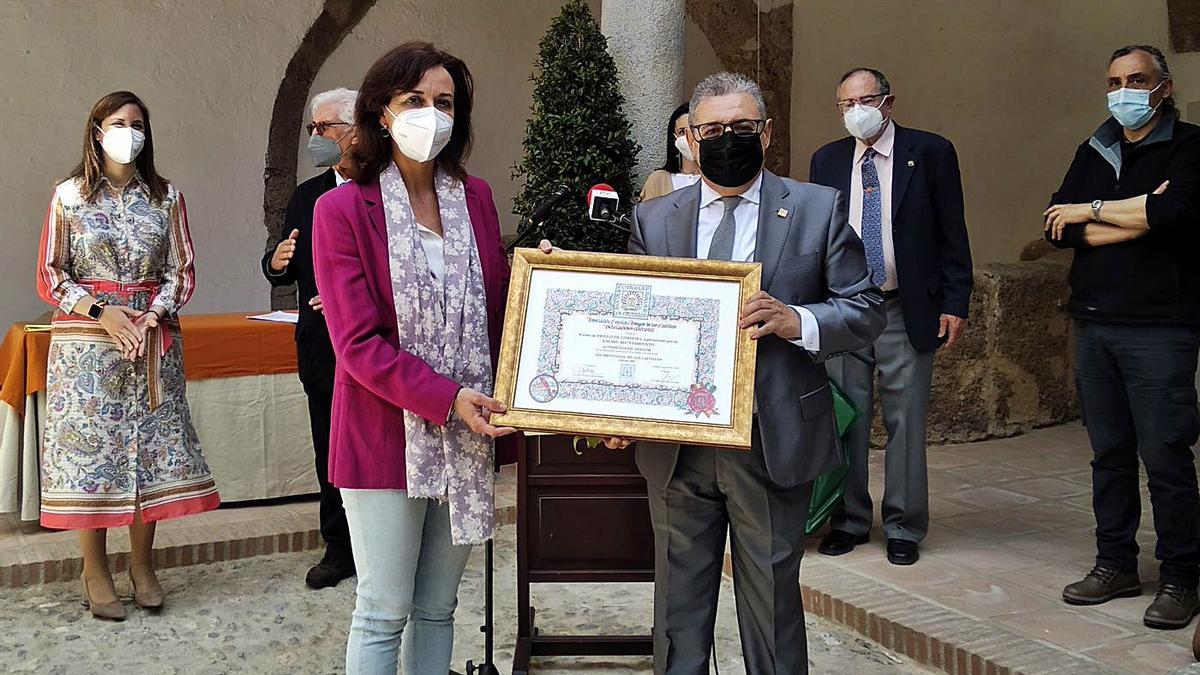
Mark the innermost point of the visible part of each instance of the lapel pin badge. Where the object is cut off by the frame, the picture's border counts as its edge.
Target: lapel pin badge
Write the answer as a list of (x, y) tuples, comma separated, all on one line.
[(912, 162), (782, 213)]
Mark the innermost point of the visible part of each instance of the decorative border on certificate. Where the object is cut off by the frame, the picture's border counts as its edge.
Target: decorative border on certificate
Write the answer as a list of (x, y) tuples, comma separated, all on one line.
[(635, 346)]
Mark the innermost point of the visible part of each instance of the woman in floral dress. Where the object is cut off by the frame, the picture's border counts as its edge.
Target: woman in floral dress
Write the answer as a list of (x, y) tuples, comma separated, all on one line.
[(116, 260)]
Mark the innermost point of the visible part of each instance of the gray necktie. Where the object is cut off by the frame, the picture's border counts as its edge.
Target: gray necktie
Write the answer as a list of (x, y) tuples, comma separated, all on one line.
[(721, 247)]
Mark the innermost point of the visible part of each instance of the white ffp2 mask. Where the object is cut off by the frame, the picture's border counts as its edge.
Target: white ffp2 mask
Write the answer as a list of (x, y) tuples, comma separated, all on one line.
[(421, 133), (122, 144), (864, 121), (681, 144)]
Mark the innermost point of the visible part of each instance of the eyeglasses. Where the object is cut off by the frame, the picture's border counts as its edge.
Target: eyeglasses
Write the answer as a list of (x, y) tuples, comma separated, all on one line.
[(321, 127), (714, 130), (871, 101)]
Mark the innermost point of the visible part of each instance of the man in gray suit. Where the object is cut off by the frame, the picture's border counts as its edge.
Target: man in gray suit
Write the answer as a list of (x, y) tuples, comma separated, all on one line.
[(818, 301)]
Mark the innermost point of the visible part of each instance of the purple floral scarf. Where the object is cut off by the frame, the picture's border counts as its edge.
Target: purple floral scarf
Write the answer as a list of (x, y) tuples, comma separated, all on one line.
[(445, 324)]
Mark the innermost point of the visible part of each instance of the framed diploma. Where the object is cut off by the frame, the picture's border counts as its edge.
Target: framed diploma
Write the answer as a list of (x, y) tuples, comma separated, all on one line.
[(603, 344)]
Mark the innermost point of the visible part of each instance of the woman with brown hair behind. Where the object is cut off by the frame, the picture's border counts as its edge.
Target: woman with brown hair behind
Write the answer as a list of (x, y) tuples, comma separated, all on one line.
[(116, 261)]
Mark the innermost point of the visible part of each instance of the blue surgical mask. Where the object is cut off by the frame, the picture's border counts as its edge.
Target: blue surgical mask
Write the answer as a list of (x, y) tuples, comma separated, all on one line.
[(1131, 107)]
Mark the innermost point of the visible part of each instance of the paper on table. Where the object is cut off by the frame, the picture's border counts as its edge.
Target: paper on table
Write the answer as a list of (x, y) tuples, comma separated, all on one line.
[(277, 317)]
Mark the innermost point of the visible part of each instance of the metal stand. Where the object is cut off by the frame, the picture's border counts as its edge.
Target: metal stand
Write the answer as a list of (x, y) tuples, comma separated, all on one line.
[(487, 667)]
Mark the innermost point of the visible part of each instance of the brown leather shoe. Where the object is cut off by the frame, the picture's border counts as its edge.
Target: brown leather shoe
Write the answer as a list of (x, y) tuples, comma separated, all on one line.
[(1173, 607), (1101, 585), (147, 598), (108, 611)]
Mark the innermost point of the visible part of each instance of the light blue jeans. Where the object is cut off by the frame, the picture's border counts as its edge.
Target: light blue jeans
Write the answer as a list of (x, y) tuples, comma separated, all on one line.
[(408, 576)]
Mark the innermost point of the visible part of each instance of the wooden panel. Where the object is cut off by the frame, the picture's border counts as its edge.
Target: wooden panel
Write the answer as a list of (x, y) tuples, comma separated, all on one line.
[(589, 530), (554, 455)]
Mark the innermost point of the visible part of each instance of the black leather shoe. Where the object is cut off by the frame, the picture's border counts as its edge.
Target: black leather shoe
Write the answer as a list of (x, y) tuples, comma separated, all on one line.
[(838, 542), (903, 552), (1173, 607), (331, 570), (1101, 585)]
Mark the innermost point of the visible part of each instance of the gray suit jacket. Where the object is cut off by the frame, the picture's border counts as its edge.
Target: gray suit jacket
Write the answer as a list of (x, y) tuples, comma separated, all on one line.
[(810, 257)]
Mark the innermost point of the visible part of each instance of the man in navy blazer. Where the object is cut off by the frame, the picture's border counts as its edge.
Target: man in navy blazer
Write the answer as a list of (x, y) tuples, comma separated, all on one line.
[(905, 200)]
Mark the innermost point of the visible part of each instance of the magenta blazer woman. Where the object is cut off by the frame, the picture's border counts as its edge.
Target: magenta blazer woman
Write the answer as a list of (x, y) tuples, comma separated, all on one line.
[(375, 380), (413, 279)]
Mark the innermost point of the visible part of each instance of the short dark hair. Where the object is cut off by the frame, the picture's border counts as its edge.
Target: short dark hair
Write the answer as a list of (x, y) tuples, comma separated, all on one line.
[(1156, 55), (885, 87), (400, 70), (674, 163)]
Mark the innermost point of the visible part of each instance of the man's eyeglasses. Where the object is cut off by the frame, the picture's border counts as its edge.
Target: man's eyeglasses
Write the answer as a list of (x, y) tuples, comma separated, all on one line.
[(321, 127), (714, 130), (871, 101)]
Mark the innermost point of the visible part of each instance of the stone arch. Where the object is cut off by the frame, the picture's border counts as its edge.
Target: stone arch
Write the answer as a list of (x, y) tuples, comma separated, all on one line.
[(732, 26), (332, 25)]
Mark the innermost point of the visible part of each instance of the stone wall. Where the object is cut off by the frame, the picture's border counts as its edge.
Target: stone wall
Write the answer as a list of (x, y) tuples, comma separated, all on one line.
[(1011, 372)]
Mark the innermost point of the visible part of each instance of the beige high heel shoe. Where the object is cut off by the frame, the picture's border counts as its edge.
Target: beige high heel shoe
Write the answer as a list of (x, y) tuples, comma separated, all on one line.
[(151, 600), (108, 611)]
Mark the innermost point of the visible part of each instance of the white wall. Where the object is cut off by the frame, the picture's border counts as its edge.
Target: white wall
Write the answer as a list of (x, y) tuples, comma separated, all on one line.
[(209, 72), (1015, 85)]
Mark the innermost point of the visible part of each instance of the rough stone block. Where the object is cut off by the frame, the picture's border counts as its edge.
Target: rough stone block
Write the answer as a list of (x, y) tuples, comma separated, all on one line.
[(1011, 371)]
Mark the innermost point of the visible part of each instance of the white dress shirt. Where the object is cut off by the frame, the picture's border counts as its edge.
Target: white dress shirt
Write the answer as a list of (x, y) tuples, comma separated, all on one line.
[(745, 240), (884, 149), (338, 179)]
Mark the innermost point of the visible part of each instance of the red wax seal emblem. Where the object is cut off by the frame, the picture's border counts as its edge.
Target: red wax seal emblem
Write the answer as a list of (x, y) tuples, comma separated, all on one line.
[(701, 401)]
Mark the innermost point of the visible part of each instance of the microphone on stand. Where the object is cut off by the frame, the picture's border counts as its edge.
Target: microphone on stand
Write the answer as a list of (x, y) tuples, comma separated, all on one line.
[(532, 223), (603, 203)]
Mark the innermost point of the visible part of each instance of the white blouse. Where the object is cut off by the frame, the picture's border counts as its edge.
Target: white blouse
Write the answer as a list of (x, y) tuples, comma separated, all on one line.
[(435, 251)]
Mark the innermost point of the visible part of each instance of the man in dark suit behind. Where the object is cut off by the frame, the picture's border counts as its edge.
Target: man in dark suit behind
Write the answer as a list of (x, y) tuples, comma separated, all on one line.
[(290, 262), (904, 198)]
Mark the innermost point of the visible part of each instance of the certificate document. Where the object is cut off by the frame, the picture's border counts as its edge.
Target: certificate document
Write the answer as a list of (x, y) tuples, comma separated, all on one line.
[(603, 344)]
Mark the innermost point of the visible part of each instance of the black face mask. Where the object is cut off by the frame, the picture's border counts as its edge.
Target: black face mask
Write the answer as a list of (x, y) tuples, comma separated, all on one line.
[(731, 160)]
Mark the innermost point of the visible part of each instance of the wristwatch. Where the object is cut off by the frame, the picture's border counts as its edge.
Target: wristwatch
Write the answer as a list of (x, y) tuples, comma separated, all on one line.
[(1096, 206), (96, 309)]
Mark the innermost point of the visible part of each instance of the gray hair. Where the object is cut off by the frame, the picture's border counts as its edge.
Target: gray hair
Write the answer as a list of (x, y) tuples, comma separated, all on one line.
[(725, 83), (885, 87), (344, 99)]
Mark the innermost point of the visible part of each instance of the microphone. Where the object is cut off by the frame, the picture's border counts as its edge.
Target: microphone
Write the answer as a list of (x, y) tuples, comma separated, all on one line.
[(547, 205), (602, 201), (532, 223)]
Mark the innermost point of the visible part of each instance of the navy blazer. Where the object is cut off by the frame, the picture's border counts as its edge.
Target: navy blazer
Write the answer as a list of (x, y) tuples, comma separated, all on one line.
[(929, 229)]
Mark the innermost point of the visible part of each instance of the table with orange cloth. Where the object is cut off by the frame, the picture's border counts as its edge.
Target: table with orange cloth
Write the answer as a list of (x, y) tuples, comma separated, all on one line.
[(247, 404)]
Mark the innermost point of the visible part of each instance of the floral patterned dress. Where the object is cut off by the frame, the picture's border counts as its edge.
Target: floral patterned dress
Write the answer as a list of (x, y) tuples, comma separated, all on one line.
[(118, 433)]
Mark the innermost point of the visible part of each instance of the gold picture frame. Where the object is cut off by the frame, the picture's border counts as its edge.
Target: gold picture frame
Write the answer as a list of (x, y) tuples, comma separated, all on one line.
[(732, 429)]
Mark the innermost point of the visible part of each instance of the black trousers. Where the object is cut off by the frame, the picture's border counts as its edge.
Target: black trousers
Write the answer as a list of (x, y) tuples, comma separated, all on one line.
[(1137, 389), (334, 529)]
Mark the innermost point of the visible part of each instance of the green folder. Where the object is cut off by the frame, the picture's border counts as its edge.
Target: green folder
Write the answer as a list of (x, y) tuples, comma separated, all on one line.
[(829, 488)]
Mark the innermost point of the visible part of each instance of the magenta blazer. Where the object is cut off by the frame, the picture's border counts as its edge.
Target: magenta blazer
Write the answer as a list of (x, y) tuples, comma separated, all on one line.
[(375, 380)]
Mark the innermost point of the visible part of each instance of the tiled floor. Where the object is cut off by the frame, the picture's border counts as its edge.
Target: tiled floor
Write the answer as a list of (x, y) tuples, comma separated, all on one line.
[(1011, 525)]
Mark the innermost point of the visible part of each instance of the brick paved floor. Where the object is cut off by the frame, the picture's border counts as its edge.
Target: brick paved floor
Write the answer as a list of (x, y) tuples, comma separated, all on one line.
[(1011, 525)]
